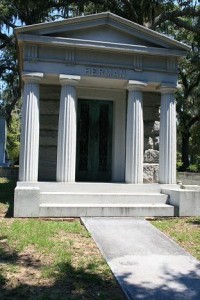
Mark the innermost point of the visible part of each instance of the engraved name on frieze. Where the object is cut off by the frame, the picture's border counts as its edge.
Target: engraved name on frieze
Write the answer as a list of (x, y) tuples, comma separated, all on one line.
[(105, 72)]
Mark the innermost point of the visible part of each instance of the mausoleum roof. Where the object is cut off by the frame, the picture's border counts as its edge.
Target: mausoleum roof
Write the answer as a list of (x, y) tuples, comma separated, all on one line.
[(104, 31)]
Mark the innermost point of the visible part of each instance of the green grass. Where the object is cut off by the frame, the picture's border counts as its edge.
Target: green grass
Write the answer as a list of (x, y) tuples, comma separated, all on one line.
[(63, 256), (22, 233), (185, 231), (42, 259)]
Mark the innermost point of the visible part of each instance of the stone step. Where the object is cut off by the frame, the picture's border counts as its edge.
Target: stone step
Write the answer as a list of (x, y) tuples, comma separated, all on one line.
[(94, 187), (102, 198), (106, 210)]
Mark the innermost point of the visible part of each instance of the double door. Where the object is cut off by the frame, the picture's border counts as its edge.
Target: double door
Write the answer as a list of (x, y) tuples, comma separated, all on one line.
[(94, 140)]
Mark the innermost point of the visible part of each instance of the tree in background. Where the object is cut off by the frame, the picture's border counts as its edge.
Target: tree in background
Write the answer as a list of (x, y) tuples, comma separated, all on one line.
[(188, 99), (188, 106), (179, 19)]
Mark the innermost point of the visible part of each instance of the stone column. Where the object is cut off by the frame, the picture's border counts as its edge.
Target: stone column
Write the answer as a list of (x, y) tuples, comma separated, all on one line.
[(66, 149), (167, 139), (134, 133), (29, 143)]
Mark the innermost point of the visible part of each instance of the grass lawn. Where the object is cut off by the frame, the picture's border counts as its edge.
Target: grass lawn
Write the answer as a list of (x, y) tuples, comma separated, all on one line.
[(184, 231), (42, 259)]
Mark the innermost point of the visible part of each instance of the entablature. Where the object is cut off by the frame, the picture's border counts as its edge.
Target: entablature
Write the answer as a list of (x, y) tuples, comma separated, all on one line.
[(34, 53)]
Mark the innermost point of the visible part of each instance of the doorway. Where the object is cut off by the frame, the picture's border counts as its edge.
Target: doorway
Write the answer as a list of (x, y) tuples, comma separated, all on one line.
[(94, 140)]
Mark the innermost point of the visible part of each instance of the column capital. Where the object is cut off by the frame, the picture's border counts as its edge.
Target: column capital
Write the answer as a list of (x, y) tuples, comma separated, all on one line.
[(32, 77), (167, 88), (69, 79), (134, 84)]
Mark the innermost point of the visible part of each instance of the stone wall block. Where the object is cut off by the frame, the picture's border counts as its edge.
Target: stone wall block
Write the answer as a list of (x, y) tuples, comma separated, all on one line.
[(151, 156), (151, 173), (49, 107), (49, 122)]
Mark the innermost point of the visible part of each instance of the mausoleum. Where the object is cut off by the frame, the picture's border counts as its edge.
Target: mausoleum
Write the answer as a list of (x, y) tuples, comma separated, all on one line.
[(98, 118)]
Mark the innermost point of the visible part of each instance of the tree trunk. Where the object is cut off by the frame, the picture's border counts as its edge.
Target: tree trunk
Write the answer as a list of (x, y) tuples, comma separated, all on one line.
[(185, 150)]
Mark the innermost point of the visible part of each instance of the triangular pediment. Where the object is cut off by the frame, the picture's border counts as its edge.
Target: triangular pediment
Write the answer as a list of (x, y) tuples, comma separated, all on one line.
[(105, 33), (103, 28)]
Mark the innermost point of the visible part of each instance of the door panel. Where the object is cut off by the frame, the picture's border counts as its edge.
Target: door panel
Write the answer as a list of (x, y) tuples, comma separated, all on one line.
[(94, 140)]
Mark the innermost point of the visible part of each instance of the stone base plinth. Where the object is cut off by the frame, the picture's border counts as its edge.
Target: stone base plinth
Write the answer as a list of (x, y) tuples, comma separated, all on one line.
[(151, 173), (186, 201)]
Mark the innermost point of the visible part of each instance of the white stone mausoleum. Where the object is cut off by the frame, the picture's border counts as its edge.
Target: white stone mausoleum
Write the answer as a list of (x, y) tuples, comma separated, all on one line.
[(98, 119)]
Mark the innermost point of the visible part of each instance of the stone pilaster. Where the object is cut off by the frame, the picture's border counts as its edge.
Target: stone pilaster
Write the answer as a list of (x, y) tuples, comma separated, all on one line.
[(29, 143), (134, 134), (66, 150), (167, 139)]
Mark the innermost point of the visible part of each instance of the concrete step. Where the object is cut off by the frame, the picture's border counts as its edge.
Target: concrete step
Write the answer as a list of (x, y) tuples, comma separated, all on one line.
[(102, 198), (106, 210)]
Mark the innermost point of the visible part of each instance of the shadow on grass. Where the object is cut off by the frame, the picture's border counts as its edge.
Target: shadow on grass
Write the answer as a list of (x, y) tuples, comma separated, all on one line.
[(70, 283), (66, 282), (7, 196), (195, 221), (7, 255)]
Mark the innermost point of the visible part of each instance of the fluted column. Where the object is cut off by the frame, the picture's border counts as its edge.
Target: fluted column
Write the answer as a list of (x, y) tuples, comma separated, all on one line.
[(134, 133), (167, 139), (29, 142), (66, 149)]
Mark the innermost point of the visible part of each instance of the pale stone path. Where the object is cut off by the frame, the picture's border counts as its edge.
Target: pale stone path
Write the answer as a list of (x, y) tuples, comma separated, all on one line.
[(147, 264)]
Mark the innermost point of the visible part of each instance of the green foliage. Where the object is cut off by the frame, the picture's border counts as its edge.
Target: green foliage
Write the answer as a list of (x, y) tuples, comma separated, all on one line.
[(195, 164), (179, 162), (193, 168), (194, 145), (188, 101), (13, 139)]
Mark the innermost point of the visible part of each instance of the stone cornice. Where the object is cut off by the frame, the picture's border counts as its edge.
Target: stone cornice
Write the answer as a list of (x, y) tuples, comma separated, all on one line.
[(97, 45), (104, 18)]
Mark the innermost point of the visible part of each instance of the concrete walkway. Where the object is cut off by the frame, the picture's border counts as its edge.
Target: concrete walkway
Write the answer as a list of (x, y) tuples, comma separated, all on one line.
[(147, 264)]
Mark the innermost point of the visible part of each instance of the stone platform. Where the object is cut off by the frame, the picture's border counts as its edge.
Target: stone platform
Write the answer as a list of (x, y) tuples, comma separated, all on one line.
[(53, 199)]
